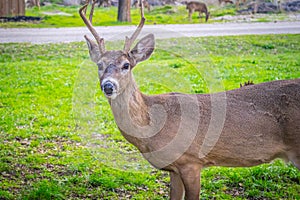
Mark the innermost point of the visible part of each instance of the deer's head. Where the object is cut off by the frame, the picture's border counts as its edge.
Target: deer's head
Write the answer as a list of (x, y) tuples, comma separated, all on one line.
[(114, 67)]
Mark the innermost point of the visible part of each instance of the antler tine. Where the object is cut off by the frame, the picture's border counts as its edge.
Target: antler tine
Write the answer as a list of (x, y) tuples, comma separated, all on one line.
[(84, 9), (92, 10), (130, 41), (88, 23)]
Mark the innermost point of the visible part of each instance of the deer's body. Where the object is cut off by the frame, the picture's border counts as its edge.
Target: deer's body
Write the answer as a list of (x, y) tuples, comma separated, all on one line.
[(32, 3), (145, 2), (261, 124), (195, 6), (182, 133), (104, 3)]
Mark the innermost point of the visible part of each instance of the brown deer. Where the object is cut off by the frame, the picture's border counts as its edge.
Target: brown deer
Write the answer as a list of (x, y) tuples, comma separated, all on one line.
[(195, 6), (145, 2), (183, 133), (104, 3), (33, 3)]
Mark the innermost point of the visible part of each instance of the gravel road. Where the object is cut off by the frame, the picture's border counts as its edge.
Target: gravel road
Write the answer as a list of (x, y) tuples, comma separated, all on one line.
[(56, 35)]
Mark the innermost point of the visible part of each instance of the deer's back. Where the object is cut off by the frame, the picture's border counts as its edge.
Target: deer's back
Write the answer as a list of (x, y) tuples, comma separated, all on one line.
[(197, 6), (258, 123), (278, 99), (262, 123)]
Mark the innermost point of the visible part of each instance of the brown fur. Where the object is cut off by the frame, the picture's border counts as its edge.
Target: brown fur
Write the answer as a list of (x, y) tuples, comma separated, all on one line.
[(183, 133), (32, 3), (104, 3), (145, 2), (195, 6)]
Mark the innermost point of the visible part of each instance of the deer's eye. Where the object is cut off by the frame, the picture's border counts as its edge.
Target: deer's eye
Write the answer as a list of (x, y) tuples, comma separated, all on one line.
[(126, 66)]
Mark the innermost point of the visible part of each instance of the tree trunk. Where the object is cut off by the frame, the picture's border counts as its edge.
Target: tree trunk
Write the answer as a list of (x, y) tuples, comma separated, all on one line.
[(124, 11), (10, 8)]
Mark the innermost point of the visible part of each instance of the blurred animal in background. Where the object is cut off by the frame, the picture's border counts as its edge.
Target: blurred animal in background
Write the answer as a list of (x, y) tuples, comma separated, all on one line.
[(104, 3), (33, 3), (145, 2), (196, 6)]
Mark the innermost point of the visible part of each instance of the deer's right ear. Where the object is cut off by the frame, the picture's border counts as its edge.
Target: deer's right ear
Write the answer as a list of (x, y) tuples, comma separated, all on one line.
[(143, 48), (93, 49)]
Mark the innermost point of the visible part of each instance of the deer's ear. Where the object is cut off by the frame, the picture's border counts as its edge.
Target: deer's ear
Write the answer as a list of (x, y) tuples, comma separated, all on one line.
[(144, 48), (93, 49)]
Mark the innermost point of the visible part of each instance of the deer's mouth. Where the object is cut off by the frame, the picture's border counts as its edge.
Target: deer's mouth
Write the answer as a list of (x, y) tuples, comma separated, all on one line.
[(109, 89)]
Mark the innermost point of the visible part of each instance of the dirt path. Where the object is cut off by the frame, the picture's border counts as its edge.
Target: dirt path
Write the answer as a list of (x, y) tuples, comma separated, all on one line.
[(56, 35)]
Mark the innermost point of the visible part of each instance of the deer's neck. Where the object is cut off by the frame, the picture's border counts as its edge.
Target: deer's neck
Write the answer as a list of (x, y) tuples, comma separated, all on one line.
[(130, 110)]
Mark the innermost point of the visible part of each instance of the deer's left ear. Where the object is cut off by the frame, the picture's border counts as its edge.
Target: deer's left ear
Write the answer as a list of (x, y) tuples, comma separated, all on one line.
[(93, 49), (144, 48)]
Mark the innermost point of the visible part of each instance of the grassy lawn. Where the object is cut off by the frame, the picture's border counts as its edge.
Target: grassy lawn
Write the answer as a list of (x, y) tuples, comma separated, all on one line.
[(58, 139), (108, 16)]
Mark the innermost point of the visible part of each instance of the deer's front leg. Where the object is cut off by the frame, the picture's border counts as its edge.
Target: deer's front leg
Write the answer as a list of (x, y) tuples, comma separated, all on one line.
[(190, 14), (199, 15), (177, 187), (190, 175)]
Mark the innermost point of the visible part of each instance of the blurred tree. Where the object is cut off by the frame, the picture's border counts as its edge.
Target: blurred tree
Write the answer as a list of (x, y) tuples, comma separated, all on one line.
[(10, 8), (124, 11)]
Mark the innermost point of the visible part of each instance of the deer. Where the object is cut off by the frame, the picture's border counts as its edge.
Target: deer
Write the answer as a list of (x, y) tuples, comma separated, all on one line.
[(184, 133), (104, 3), (33, 3), (195, 6), (145, 2)]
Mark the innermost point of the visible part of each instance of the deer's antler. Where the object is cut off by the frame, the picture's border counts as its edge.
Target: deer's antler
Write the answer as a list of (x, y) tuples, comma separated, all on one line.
[(88, 23), (130, 41)]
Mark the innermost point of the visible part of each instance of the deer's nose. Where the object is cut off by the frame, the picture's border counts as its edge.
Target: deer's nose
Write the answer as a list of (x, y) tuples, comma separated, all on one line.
[(108, 88)]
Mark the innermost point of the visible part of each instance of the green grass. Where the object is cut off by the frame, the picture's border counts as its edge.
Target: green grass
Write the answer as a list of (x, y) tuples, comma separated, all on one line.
[(58, 139)]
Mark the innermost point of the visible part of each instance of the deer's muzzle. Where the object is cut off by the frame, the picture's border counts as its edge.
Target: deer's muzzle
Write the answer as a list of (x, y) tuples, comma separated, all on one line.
[(109, 88)]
